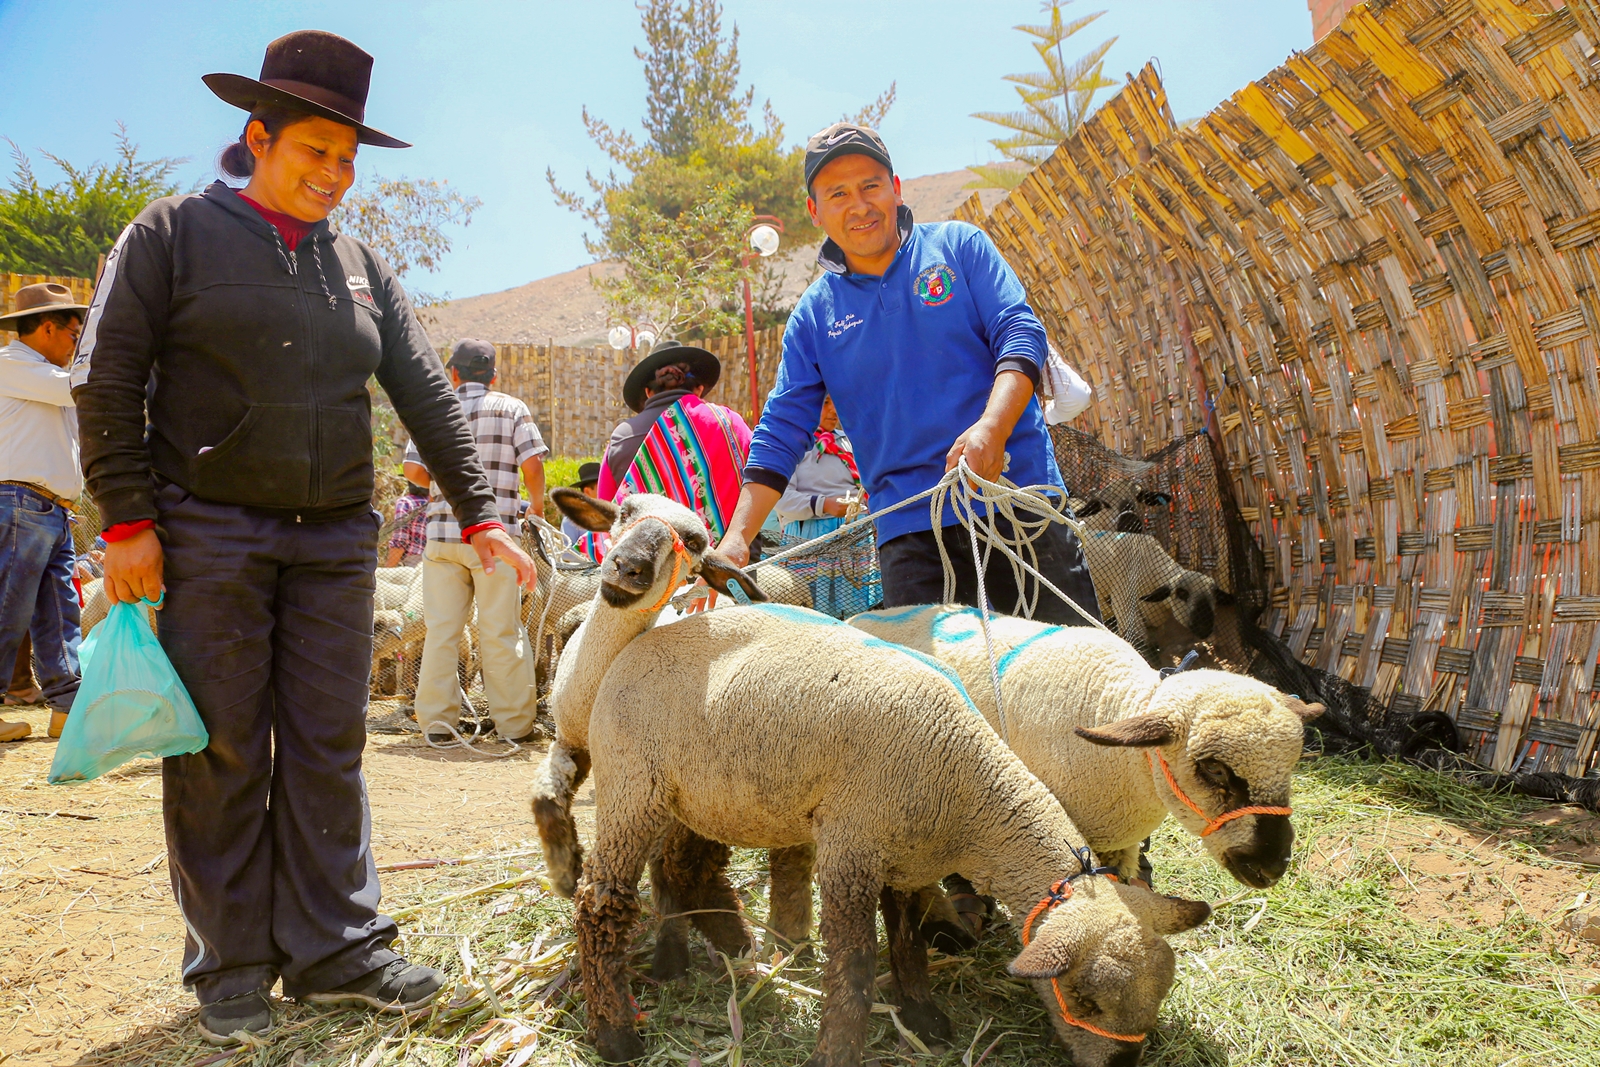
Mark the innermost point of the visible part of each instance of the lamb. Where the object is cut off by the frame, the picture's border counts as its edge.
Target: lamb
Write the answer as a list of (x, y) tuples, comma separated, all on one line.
[(1140, 586), (1080, 705), (771, 726)]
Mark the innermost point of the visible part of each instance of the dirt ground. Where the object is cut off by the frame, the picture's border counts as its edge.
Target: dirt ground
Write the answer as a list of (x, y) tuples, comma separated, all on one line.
[(90, 939)]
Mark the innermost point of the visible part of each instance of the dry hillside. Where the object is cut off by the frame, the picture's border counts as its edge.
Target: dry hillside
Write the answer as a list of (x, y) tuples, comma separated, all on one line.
[(565, 307)]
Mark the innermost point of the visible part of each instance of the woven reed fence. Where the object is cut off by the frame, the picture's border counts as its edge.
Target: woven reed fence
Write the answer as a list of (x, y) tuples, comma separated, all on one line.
[(1373, 275), (575, 394)]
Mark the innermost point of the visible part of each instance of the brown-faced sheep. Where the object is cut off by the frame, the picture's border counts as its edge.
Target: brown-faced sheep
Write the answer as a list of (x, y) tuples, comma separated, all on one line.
[(1140, 587), (773, 727), (1102, 729)]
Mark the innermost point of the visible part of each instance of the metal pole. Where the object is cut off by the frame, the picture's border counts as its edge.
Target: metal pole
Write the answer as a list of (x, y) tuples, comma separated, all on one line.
[(750, 343)]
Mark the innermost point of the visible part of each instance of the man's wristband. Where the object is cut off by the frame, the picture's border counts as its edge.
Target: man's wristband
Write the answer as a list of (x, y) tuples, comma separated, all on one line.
[(466, 535), (121, 531)]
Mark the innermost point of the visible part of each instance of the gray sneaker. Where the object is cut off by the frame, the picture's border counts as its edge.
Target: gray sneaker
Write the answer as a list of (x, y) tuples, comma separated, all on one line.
[(398, 987), (222, 1021)]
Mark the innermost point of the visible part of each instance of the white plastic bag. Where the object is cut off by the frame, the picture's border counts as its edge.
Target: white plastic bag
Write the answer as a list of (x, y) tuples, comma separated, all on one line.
[(1067, 395)]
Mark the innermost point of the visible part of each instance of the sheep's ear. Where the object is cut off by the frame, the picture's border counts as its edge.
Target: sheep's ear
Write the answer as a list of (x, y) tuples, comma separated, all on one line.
[(1138, 731), (1221, 595), (586, 511), (1307, 712), (1154, 500), (1157, 594), (1043, 957), (1128, 522), (1090, 507), (718, 570), (1168, 915)]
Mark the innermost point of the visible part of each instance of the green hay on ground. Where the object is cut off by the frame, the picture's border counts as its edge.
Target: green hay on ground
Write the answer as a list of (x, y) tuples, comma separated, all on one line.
[(1325, 968)]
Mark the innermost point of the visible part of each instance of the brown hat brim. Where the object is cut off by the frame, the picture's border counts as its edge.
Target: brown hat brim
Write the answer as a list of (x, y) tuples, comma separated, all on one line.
[(707, 370), (249, 94), (13, 316)]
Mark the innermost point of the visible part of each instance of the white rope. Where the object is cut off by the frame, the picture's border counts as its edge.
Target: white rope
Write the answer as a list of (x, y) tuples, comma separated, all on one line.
[(462, 742)]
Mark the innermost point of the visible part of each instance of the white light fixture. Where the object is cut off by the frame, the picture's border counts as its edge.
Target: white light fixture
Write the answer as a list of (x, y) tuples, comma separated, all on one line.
[(764, 239), (619, 337), (645, 334)]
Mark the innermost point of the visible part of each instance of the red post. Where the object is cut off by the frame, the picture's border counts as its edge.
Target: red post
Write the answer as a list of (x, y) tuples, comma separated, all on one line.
[(750, 346)]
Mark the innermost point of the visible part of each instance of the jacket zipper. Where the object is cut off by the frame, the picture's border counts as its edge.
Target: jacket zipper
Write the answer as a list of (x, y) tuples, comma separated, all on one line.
[(293, 259)]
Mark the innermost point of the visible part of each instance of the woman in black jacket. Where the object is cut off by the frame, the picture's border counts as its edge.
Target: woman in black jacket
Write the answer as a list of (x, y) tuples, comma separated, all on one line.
[(242, 331)]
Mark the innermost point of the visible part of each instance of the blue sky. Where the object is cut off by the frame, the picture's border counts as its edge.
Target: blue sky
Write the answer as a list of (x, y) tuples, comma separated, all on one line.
[(491, 91)]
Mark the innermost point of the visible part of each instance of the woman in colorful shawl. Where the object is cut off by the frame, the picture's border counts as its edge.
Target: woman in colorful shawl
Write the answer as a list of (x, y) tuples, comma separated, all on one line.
[(677, 444), (843, 574)]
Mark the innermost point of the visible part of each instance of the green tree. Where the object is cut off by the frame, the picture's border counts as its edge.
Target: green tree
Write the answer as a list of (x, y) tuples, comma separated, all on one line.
[(1054, 101), (64, 229), (404, 219), (702, 169)]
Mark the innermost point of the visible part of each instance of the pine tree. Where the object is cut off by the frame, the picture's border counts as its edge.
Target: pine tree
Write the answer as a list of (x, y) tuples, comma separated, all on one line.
[(1054, 101)]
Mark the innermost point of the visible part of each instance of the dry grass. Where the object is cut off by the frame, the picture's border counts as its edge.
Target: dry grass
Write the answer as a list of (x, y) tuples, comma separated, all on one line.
[(1328, 967)]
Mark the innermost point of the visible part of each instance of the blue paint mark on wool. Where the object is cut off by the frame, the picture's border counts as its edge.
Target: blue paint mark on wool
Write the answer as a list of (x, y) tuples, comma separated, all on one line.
[(1005, 661), (954, 627), (878, 642), (792, 613), (898, 616)]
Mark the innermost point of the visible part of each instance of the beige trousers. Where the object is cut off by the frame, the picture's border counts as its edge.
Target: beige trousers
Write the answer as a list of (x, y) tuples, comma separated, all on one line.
[(452, 576)]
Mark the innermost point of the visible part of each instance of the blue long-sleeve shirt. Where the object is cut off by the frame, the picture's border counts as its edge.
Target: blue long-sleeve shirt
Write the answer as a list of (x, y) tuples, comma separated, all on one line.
[(909, 359)]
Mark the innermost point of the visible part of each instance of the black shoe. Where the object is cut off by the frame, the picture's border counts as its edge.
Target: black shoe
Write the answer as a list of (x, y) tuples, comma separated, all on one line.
[(222, 1021), (395, 988)]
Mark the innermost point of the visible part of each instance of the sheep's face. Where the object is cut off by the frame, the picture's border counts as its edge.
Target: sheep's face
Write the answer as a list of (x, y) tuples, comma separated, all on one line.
[(1106, 950), (1192, 599), (656, 544)]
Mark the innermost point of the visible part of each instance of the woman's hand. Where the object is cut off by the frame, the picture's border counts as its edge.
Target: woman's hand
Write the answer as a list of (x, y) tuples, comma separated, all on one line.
[(493, 543), (835, 506), (133, 568)]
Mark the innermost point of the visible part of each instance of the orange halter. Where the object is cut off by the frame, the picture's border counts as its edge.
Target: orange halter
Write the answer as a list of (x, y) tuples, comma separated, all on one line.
[(680, 556), (1058, 895), (1212, 825)]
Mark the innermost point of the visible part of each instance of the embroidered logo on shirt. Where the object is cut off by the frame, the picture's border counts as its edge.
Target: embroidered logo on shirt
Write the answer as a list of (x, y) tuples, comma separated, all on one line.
[(936, 286), (838, 326), (360, 288)]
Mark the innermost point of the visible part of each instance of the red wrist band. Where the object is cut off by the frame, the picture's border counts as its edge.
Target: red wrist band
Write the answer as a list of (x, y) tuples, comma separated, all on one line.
[(466, 535), (121, 531)]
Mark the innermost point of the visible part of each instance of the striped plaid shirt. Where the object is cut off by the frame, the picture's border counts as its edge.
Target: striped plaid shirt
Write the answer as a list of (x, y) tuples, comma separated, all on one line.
[(507, 438)]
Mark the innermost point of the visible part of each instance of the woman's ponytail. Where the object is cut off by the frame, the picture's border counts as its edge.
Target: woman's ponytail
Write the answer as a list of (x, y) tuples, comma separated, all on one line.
[(236, 161)]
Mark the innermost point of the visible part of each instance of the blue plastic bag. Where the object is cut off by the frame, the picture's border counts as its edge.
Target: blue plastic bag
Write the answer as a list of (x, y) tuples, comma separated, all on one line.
[(129, 705)]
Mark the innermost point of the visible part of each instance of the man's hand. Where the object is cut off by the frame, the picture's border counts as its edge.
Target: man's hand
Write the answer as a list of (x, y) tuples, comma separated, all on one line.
[(492, 544), (133, 568), (984, 446)]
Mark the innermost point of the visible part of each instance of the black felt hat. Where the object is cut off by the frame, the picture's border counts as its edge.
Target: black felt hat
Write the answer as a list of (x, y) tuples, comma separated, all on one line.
[(705, 367), (313, 71), (588, 474)]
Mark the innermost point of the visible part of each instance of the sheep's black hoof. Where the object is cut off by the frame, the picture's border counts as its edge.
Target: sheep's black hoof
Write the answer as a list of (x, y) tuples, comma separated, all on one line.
[(620, 1045), (926, 1021), (671, 959), (951, 938)]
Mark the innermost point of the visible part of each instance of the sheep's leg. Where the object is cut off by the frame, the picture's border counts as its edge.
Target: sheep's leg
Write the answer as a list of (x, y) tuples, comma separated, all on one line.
[(941, 924), (908, 965), (557, 779), (606, 914), (690, 875), (1125, 861), (789, 898), (849, 931)]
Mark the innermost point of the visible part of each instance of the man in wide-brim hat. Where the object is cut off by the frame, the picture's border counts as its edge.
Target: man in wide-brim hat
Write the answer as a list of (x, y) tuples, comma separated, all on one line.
[(39, 480)]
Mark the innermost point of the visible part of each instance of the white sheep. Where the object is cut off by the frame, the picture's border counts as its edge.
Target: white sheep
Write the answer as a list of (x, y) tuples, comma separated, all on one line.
[(1102, 729), (1139, 587), (771, 726)]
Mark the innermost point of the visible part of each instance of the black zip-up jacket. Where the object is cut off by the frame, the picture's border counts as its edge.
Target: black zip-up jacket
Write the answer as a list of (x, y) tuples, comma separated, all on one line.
[(250, 364)]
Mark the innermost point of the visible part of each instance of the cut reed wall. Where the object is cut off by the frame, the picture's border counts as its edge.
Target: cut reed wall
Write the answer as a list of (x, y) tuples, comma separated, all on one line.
[(1374, 275)]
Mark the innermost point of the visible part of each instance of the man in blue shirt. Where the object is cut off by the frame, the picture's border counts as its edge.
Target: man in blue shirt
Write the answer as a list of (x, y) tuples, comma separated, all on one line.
[(923, 336)]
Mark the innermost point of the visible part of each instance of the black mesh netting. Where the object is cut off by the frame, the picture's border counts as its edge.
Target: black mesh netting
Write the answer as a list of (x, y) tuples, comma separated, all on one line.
[(1177, 498)]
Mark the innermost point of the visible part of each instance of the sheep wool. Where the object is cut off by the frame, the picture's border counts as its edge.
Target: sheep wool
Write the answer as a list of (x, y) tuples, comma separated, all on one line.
[(1102, 729), (1141, 587), (771, 727)]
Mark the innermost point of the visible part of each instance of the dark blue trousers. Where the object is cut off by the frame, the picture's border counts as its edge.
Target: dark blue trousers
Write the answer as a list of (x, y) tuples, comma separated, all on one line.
[(913, 573), (36, 592), (268, 621)]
